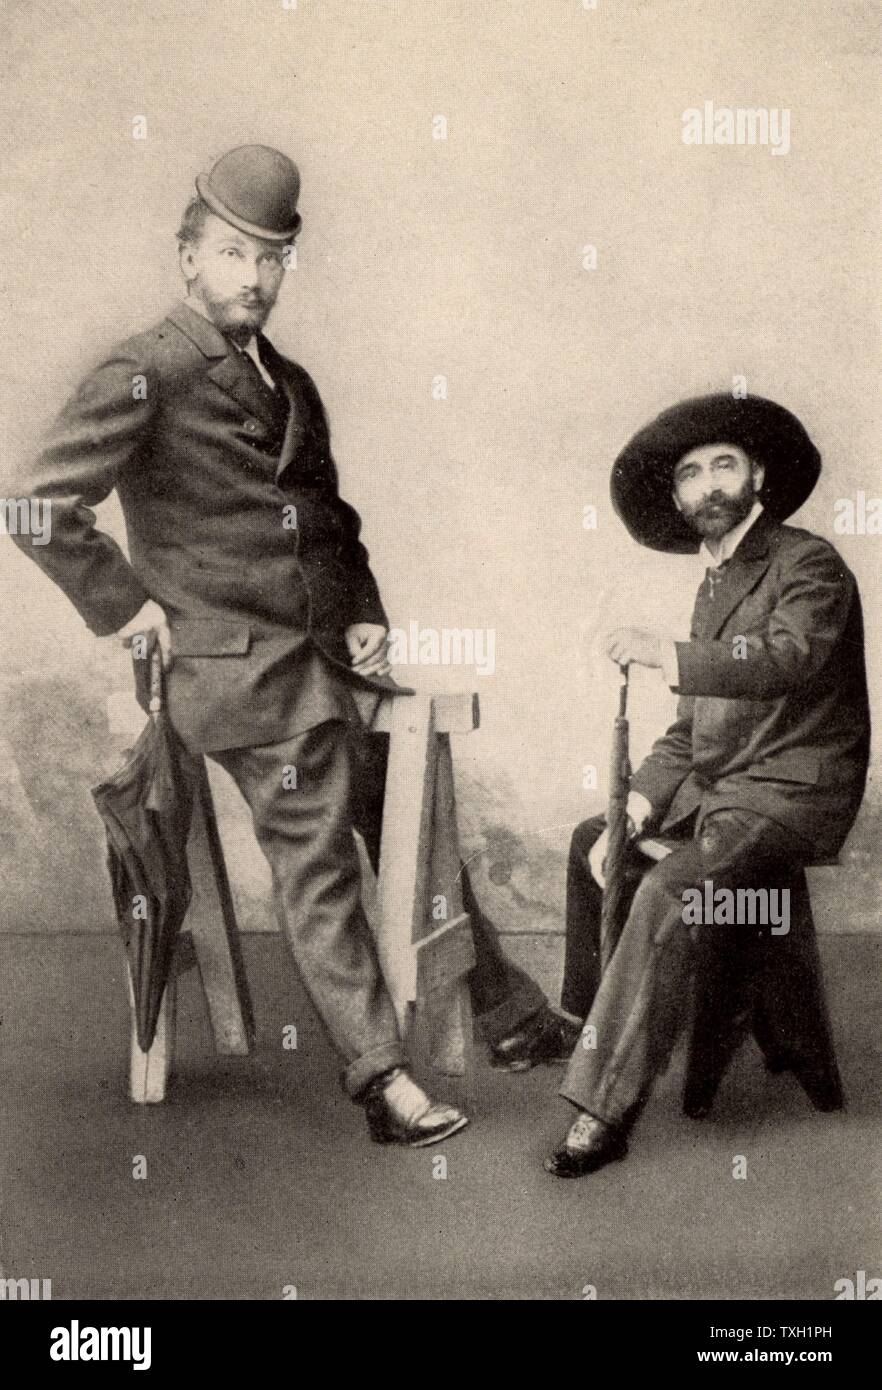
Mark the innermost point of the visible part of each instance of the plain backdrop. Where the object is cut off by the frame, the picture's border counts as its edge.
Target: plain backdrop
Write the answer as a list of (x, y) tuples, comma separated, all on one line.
[(461, 258)]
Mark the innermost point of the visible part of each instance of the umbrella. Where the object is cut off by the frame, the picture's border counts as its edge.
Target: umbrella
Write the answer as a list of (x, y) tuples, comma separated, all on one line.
[(618, 890), (146, 807)]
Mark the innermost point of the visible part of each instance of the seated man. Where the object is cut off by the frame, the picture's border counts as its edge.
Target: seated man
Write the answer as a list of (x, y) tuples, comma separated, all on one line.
[(764, 769)]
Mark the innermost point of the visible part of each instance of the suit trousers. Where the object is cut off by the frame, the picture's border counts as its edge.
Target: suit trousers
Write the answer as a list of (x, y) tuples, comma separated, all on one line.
[(636, 1010), (305, 832)]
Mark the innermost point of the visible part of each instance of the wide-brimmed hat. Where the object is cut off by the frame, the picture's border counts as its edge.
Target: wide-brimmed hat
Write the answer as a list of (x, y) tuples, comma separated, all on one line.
[(255, 188), (643, 473)]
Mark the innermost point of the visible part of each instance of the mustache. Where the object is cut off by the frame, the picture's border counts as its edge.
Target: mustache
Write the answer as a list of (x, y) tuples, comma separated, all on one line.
[(716, 501)]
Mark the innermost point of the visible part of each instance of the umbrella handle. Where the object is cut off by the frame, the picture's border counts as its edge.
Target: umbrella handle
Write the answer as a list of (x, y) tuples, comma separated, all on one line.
[(156, 690), (624, 672)]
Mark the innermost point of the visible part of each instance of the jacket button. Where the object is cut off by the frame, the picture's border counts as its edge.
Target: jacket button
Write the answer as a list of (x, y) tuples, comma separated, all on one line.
[(251, 426)]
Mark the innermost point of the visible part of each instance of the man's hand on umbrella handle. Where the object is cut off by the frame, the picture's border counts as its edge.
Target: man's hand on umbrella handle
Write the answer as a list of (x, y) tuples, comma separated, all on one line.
[(626, 644), (639, 809), (149, 621)]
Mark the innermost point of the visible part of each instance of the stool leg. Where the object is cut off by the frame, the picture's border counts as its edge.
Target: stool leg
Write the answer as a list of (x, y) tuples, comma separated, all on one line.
[(402, 880), (448, 1014), (425, 955), (713, 1044), (791, 1023), (446, 952), (149, 1072), (723, 989), (211, 921)]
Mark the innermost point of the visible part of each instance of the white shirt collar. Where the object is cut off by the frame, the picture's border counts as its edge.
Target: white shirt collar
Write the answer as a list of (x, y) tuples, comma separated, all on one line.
[(254, 353), (731, 540)]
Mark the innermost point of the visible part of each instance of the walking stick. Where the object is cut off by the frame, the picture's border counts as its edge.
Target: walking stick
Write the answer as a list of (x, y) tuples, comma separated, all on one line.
[(612, 914)]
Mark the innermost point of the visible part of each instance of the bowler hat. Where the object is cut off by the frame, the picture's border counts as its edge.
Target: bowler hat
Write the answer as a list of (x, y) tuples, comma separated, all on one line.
[(256, 189), (643, 474)]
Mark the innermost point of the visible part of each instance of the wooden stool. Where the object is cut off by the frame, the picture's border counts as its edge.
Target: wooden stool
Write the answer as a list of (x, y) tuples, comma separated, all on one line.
[(423, 936), (775, 992), (779, 997)]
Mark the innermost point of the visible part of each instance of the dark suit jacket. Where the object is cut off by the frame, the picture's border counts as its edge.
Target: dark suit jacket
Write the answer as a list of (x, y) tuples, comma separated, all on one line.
[(783, 729), (179, 424)]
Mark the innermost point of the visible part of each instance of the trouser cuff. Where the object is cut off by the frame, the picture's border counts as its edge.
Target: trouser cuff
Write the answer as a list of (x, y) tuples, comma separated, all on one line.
[(362, 1071), (497, 1023), (583, 1100)]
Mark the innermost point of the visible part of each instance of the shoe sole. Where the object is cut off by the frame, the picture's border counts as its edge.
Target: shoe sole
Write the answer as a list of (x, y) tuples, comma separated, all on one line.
[(584, 1172), (430, 1139), (445, 1134), (523, 1064)]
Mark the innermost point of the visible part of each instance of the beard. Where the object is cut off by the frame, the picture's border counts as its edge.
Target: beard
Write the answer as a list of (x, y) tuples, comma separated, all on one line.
[(238, 316), (718, 514)]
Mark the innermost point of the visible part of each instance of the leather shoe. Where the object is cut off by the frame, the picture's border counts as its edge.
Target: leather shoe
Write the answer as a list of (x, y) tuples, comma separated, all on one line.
[(399, 1112), (545, 1037), (590, 1143)]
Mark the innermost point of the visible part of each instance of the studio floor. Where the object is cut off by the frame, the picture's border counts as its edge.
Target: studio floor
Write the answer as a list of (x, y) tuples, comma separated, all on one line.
[(260, 1174)]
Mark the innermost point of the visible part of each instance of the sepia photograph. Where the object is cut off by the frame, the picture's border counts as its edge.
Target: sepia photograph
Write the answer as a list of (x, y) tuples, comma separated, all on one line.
[(441, 603)]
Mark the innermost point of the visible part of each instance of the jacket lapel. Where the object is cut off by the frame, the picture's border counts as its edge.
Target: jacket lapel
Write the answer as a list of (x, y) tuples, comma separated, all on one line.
[(747, 567), (229, 370), (233, 375), (284, 377)]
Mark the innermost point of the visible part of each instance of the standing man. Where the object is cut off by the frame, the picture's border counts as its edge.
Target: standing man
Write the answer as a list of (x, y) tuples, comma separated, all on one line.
[(764, 769), (246, 567)]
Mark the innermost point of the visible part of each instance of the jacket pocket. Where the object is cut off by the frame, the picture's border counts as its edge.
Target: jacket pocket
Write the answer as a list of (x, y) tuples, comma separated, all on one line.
[(210, 637), (796, 765)]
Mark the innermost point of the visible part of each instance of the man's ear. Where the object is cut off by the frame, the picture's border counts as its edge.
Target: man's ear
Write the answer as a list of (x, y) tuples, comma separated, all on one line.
[(759, 475), (187, 263)]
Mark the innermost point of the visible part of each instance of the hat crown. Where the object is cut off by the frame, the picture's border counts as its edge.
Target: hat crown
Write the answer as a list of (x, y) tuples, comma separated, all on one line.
[(642, 476), (256, 188)]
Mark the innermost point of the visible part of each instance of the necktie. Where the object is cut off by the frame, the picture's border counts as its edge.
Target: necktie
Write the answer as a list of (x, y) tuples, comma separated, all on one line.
[(713, 578), (274, 407)]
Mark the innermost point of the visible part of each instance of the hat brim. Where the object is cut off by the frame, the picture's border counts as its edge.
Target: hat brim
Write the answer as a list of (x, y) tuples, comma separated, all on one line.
[(207, 195), (643, 474)]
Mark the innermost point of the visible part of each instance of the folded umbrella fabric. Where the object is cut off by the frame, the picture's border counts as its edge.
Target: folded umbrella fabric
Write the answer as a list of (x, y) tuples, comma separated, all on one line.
[(147, 807)]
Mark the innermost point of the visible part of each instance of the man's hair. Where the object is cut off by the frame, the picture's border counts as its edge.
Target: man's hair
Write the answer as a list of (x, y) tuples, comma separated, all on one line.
[(193, 221)]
